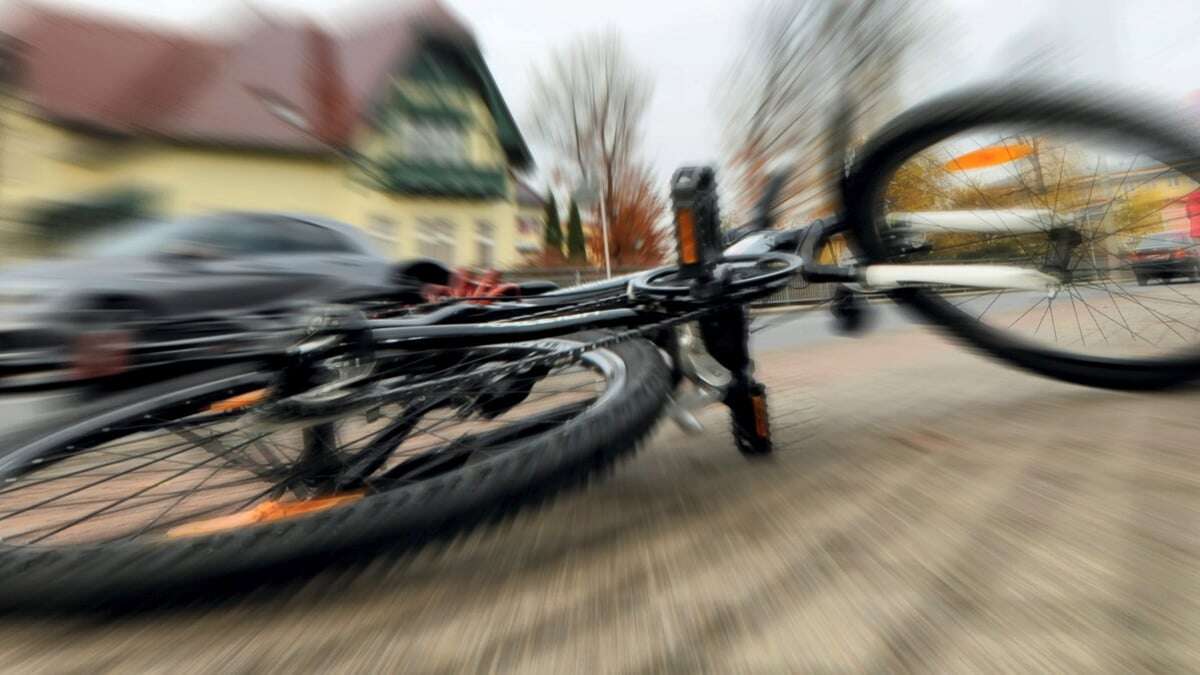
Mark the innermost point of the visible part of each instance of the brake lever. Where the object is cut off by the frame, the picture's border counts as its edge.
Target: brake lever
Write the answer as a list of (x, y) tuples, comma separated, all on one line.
[(813, 237), (763, 218)]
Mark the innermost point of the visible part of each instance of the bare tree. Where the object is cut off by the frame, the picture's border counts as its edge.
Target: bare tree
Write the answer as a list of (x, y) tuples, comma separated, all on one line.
[(786, 85), (588, 107), (637, 237)]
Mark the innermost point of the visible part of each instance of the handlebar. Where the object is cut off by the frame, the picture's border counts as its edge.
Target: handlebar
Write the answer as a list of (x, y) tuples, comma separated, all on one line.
[(764, 211)]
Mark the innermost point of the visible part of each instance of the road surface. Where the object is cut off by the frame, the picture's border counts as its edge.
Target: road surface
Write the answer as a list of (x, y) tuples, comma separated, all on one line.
[(926, 510)]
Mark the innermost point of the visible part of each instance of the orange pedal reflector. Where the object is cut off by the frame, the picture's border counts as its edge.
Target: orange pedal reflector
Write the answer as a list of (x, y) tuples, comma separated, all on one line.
[(685, 230), (762, 425), (991, 156), (240, 401), (267, 512)]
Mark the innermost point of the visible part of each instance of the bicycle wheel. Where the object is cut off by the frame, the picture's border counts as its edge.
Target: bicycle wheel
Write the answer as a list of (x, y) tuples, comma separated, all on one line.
[(1075, 189), (197, 479)]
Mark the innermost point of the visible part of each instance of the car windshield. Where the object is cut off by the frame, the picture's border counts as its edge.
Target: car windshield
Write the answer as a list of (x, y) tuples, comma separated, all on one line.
[(755, 243), (142, 238), (1170, 240)]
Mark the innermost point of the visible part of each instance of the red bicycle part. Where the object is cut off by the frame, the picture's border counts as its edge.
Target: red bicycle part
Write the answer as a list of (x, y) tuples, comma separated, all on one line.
[(465, 283)]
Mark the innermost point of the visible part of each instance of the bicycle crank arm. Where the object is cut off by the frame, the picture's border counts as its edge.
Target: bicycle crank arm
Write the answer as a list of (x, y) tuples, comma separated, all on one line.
[(976, 276), (682, 407), (708, 381)]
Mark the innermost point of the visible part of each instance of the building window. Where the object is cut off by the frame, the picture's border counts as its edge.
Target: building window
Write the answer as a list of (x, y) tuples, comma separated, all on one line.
[(435, 238), (528, 225), (382, 230), (485, 245), (432, 140)]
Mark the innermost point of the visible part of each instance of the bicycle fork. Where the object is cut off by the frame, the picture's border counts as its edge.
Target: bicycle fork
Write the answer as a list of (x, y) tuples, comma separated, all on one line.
[(724, 334)]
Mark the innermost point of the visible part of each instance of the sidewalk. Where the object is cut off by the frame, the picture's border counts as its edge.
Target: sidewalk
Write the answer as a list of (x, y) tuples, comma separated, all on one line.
[(926, 510)]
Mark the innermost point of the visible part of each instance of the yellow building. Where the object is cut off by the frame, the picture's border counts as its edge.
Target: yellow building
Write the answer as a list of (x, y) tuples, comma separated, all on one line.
[(395, 125), (1140, 201), (1162, 186), (531, 220)]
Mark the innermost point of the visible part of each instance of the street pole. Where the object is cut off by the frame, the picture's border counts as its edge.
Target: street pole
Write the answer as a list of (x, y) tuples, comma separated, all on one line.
[(604, 228), (585, 195)]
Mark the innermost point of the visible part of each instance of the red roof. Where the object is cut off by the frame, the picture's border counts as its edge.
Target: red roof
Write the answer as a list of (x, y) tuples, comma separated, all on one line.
[(121, 77)]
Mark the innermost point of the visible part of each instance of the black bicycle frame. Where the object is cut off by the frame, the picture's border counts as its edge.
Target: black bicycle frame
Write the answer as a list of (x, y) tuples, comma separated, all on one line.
[(399, 335)]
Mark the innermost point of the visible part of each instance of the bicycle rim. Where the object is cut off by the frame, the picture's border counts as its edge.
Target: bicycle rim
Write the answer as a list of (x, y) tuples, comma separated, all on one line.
[(206, 460), (1066, 187)]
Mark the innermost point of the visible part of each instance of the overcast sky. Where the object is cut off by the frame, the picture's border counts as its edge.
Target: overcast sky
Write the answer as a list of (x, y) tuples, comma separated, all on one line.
[(685, 46)]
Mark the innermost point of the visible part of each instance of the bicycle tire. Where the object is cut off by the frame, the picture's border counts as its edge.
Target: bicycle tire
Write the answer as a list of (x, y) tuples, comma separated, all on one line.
[(400, 519), (940, 119)]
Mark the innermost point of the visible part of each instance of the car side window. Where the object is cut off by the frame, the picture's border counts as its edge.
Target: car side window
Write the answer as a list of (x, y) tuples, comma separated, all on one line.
[(236, 237), (300, 237)]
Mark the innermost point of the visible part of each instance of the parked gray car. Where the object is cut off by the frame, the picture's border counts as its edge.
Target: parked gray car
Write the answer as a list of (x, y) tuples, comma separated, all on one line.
[(206, 268)]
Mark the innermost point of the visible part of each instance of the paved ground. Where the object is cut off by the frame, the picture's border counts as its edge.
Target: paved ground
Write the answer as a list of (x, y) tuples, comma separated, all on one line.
[(926, 510)]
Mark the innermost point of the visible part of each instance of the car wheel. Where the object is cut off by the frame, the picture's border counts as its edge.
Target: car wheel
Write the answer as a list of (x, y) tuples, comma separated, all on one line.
[(1141, 280), (106, 338)]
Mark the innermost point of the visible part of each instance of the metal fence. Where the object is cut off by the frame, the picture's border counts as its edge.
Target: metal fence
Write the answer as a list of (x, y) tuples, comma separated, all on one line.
[(798, 292), (565, 276)]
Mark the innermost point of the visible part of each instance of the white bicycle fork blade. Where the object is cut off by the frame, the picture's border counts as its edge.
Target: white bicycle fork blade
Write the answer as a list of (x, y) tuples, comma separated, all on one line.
[(998, 221), (978, 276)]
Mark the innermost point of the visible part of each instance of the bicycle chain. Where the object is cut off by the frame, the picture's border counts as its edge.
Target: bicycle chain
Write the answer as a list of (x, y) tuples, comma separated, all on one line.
[(558, 358)]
